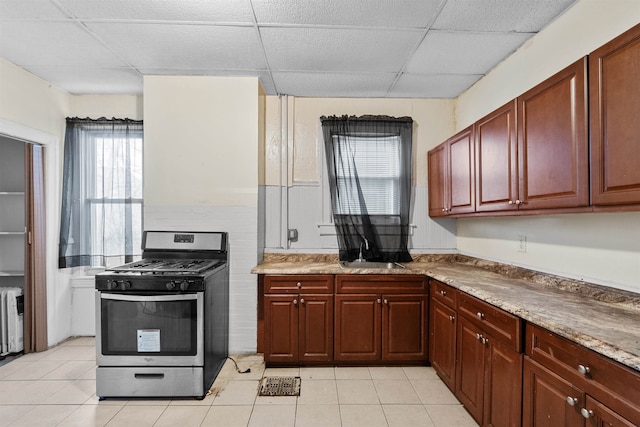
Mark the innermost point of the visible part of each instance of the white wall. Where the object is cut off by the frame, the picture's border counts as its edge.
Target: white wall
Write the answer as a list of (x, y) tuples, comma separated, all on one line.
[(602, 248), (202, 173)]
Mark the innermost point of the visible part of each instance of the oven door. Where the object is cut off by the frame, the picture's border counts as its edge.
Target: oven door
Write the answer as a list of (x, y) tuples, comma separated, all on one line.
[(149, 330)]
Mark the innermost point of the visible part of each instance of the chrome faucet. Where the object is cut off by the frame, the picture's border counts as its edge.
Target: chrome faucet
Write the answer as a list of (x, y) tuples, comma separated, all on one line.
[(366, 246)]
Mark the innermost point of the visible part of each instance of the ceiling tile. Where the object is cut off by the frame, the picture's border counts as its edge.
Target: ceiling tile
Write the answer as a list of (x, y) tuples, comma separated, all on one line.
[(443, 52), (432, 85), (324, 49), (147, 45), (31, 10), (166, 10), (52, 43), (378, 13), (335, 85), (88, 80), (499, 16)]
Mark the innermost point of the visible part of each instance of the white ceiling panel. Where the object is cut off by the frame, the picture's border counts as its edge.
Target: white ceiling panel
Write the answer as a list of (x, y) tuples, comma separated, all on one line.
[(369, 13), (165, 10), (80, 80), (331, 49), (27, 43), (29, 9), (334, 85), (525, 16), (183, 46), (432, 85), (336, 48), (444, 52)]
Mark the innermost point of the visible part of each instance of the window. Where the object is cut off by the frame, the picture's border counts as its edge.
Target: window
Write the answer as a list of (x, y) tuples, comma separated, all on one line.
[(369, 175), (101, 219)]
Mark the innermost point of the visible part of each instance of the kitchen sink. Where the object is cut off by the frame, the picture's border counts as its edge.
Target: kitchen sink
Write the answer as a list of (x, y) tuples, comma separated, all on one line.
[(370, 264)]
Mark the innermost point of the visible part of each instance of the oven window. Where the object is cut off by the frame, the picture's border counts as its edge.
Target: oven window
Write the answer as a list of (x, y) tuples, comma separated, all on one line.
[(167, 328)]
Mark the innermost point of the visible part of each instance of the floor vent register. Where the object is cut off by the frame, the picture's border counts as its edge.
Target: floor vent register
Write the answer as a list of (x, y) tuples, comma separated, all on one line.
[(279, 386)]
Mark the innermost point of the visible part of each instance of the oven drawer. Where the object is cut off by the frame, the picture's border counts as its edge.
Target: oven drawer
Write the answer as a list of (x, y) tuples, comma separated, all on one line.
[(315, 284), (150, 382)]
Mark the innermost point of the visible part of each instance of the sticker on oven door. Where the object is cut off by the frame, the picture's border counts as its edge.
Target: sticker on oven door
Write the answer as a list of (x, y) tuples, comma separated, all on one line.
[(148, 340)]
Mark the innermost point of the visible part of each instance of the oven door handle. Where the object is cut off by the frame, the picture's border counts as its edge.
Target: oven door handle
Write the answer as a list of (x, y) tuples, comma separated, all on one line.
[(149, 298)]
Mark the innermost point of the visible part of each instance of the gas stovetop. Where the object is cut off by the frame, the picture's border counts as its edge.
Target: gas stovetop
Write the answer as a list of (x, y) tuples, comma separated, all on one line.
[(167, 266)]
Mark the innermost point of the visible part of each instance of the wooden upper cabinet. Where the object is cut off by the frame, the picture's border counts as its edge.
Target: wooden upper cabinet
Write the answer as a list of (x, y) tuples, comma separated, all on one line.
[(496, 160), (451, 175), (553, 157), (614, 85)]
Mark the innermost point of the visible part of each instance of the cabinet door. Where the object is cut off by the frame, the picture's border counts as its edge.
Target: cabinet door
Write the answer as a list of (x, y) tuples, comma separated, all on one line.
[(316, 328), (404, 324), (460, 173), (442, 341), (503, 386), (496, 160), (357, 327), (470, 368), (548, 400), (600, 415), (553, 142), (281, 328), (615, 102), (437, 164)]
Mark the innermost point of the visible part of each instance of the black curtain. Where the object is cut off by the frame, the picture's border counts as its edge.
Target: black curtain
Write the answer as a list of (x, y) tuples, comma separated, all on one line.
[(371, 215), (101, 216)]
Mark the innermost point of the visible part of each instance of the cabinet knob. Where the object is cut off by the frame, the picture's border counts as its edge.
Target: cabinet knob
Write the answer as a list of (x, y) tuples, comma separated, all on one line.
[(572, 400), (584, 370), (510, 202), (443, 293), (587, 413), (379, 301), (452, 318), (444, 209), (478, 336), (480, 315), (295, 302), (301, 300), (518, 202), (299, 285), (386, 301)]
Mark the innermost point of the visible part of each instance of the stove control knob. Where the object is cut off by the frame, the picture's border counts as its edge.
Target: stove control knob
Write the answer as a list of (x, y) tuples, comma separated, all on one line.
[(184, 285), (171, 286), (111, 285), (125, 285)]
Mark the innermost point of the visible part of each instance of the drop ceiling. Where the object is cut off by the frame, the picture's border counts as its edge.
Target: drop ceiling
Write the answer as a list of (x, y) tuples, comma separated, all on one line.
[(312, 48)]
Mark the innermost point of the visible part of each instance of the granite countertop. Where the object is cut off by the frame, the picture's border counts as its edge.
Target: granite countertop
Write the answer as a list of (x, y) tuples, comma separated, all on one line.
[(603, 319)]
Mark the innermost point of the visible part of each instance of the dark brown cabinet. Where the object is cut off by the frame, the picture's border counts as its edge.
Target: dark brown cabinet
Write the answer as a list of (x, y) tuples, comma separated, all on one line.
[(451, 175), (443, 331), (298, 320), (380, 318), (564, 381), (614, 89)]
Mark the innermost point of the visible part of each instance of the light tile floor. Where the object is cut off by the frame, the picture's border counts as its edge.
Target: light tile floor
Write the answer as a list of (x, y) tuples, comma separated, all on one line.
[(57, 388)]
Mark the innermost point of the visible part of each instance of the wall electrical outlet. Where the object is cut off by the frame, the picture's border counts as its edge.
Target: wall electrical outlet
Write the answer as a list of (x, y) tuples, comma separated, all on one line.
[(522, 243)]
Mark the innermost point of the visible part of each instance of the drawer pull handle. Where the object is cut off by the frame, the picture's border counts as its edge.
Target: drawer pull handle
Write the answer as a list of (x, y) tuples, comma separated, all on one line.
[(452, 318), (299, 285), (480, 316), (443, 293), (587, 413), (572, 400), (584, 370)]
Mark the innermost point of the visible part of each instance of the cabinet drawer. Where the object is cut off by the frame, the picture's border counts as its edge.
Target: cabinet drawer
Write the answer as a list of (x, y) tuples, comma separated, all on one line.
[(611, 383), (316, 284), (498, 323), (380, 283), (443, 293)]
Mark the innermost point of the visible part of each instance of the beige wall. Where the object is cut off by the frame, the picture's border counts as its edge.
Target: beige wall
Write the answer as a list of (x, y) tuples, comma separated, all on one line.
[(201, 141), (598, 247), (433, 122)]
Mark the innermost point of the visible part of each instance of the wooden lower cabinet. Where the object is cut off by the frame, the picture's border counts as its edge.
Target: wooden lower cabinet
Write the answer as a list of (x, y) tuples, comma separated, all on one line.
[(470, 368), (442, 341), (375, 327), (298, 329)]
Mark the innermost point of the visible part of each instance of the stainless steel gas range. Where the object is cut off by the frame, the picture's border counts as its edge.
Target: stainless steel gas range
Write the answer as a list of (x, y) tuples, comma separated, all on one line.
[(162, 323)]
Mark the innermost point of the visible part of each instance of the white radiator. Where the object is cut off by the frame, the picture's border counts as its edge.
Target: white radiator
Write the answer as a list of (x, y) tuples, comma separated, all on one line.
[(11, 320)]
